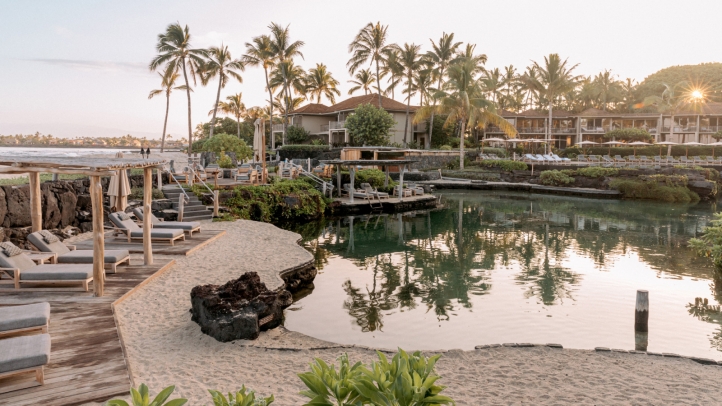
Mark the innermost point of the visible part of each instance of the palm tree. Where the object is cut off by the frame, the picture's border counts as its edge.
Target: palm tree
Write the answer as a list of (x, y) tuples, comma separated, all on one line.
[(233, 107), (468, 53), (174, 47), (439, 58), (321, 82), (411, 61), (369, 45), (609, 89), (393, 68), (260, 52), (554, 79), (285, 106), (291, 75), (284, 51), (168, 80), (364, 80), (463, 101), (673, 99), (493, 82), (220, 63)]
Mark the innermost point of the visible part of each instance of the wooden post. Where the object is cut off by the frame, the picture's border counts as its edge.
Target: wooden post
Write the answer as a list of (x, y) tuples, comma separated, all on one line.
[(352, 172), (56, 177), (641, 341), (181, 203), (401, 183), (160, 179), (386, 179), (641, 313), (96, 199), (215, 203), (36, 210), (338, 179), (147, 218), (308, 164)]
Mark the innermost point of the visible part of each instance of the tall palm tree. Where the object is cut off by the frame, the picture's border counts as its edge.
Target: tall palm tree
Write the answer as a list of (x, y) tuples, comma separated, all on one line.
[(284, 51), (411, 61), (393, 68), (220, 63), (288, 74), (321, 82), (463, 101), (673, 99), (369, 45), (174, 48), (469, 53), (364, 80), (493, 82), (609, 89), (259, 52), (439, 58), (168, 81), (233, 107), (554, 79), (288, 105)]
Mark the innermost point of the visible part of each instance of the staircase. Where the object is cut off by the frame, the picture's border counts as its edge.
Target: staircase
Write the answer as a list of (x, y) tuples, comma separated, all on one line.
[(193, 210)]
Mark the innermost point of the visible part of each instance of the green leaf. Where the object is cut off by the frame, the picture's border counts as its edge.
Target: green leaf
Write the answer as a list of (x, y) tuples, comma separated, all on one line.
[(176, 402), (162, 396), (116, 402)]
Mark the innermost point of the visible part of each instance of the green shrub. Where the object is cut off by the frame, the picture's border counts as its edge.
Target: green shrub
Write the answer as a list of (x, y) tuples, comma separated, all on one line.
[(454, 142), (241, 398), (136, 193), (710, 243), (500, 152), (505, 165), (374, 177), (629, 135), (555, 178), (650, 189), (283, 200), (224, 161), (596, 172), (445, 148), (305, 147), (319, 141), (296, 134), (370, 125), (228, 143), (141, 397)]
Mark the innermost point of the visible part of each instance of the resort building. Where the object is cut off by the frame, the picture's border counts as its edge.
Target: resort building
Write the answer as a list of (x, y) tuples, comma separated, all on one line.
[(591, 124), (329, 122)]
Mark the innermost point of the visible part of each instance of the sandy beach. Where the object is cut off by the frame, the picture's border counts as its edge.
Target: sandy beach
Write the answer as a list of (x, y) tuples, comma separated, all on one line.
[(164, 347)]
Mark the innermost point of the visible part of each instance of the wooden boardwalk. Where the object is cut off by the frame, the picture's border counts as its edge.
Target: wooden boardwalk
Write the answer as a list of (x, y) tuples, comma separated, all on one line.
[(87, 363), (186, 247)]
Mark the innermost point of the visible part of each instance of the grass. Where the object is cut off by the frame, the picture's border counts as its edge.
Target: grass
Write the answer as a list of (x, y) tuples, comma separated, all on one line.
[(23, 180)]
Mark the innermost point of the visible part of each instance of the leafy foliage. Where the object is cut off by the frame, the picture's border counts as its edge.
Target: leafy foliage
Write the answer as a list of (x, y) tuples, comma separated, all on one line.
[(505, 165), (445, 148), (137, 193), (281, 201), (651, 189), (325, 383), (708, 75), (240, 398), (224, 161), (228, 143), (304, 147), (629, 135), (718, 135), (374, 177), (596, 172), (141, 397), (555, 178), (226, 125), (710, 243), (296, 134), (370, 125)]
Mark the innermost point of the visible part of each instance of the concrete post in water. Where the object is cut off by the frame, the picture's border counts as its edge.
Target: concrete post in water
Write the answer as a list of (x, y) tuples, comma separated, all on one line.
[(641, 312)]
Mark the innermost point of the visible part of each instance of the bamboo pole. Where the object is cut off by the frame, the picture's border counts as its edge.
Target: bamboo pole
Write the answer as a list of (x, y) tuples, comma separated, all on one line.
[(36, 210), (96, 198), (147, 215)]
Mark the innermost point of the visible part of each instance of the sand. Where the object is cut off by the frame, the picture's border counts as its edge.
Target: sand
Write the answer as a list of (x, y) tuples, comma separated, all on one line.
[(164, 347)]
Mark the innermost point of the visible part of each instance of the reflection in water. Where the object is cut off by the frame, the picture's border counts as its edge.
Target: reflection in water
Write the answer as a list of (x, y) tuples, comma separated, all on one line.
[(490, 257)]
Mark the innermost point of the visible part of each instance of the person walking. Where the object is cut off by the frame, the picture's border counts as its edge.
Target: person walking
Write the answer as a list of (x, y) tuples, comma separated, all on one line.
[(142, 152), (147, 152)]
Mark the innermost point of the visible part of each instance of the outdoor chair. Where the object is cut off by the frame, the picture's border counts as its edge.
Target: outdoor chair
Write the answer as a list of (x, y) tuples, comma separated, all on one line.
[(483, 157), (697, 160), (374, 192), (530, 158), (24, 354), (415, 189), (594, 160), (406, 192), (643, 159), (582, 158), (493, 156), (217, 169), (633, 159), (685, 161), (618, 159), (24, 318), (711, 160), (22, 269), (607, 161), (671, 160), (658, 161), (45, 241), (189, 227), (246, 175), (180, 177), (126, 226), (361, 194), (562, 160)]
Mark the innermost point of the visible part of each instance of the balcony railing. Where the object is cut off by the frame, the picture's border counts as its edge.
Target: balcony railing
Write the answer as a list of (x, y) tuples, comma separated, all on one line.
[(337, 125), (278, 128), (693, 128)]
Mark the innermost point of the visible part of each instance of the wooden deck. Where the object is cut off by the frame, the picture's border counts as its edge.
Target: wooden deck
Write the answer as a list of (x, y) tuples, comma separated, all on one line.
[(191, 244), (87, 363)]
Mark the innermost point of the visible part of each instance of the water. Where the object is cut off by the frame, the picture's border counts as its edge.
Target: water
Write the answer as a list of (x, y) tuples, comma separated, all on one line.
[(510, 267), (64, 152)]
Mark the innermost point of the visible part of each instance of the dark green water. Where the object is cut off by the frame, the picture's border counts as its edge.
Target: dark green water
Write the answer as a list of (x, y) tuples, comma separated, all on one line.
[(511, 267)]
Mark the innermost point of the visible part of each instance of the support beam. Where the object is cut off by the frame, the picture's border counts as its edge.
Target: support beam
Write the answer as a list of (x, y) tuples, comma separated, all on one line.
[(338, 179), (25, 169), (352, 172), (160, 178), (36, 209), (147, 217), (215, 202), (96, 198), (401, 183)]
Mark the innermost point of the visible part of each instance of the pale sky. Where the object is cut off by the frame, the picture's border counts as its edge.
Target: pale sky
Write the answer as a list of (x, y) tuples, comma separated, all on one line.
[(79, 68)]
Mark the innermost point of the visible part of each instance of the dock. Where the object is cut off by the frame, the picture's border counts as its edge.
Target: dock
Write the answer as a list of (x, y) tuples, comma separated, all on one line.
[(343, 206), (523, 187)]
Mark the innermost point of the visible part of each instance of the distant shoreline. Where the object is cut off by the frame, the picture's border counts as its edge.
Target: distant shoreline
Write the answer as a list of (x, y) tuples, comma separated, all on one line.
[(83, 147)]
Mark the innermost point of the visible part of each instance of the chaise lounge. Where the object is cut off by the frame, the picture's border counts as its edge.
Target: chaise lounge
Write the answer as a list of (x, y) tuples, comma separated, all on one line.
[(21, 269), (132, 231), (24, 318), (189, 227), (45, 241), (19, 355)]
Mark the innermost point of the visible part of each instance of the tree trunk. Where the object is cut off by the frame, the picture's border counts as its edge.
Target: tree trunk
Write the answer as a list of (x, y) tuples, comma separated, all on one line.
[(188, 93), (461, 145), (218, 98), (378, 83), (165, 122), (238, 125), (408, 105), (549, 129), (270, 112), (285, 110), (671, 132), (433, 111)]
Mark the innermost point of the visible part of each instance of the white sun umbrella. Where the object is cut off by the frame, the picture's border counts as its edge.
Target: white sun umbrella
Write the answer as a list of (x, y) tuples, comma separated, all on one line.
[(714, 144), (668, 143), (610, 143), (690, 144), (497, 139), (636, 144), (119, 189), (257, 141), (583, 143)]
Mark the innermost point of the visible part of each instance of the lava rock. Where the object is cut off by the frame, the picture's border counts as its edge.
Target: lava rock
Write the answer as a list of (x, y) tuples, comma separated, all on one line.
[(299, 278), (239, 309), (18, 206)]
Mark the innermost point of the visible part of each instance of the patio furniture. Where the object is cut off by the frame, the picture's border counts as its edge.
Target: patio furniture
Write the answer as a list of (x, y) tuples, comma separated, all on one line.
[(582, 158), (180, 177), (560, 159), (188, 227), (361, 194), (685, 161), (21, 269), (124, 225), (24, 318), (47, 242), (19, 355), (594, 160), (608, 161), (246, 175), (415, 189), (406, 192), (697, 160), (671, 160), (530, 158), (658, 161), (374, 192)]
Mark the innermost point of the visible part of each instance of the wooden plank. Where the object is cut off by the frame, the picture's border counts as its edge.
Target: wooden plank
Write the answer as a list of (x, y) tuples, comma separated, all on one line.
[(147, 225), (186, 247), (96, 197), (36, 211)]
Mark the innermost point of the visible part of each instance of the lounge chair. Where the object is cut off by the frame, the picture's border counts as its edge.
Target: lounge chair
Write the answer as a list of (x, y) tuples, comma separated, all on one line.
[(189, 227), (582, 159), (406, 192), (44, 241), (607, 161), (671, 160), (19, 355), (530, 158), (493, 156), (246, 175), (180, 177), (416, 189), (711, 160), (361, 194), (658, 161), (697, 160), (684, 160), (560, 159), (594, 160), (374, 192), (132, 231), (619, 160), (21, 269), (24, 318)]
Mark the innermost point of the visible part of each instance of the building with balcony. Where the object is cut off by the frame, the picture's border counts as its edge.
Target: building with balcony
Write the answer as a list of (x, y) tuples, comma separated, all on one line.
[(329, 122)]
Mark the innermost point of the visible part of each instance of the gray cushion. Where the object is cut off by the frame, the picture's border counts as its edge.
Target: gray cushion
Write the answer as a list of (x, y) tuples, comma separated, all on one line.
[(183, 225), (124, 224), (160, 233), (24, 352), (86, 257), (123, 216), (10, 249), (48, 236), (24, 316), (138, 213), (38, 241), (20, 262), (60, 272)]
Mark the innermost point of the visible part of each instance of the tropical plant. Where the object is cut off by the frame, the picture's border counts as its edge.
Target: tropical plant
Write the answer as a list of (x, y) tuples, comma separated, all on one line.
[(629, 135), (174, 48), (320, 82), (168, 79), (240, 398), (608, 88), (717, 136), (504, 164), (220, 63), (439, 58), (224, 161), (369, 45), (410, 61), (141, 397), (284, 50), (228, 143), (445, 148), (259, 52), (364, 80), (673, 99), (233, 107), (370, 125), (324, 383), (393, 68), (296, 134), (710, 243), (290, 78), (555, 178)]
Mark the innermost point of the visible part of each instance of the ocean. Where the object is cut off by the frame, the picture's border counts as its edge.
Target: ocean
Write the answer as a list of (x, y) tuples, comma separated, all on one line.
[(64, 152)]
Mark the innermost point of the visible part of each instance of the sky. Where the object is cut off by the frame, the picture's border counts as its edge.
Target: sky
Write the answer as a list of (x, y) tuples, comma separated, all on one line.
[(80, 68)]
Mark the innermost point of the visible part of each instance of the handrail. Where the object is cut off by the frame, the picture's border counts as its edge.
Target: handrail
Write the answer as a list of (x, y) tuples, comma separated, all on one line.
[(170, 175), (193, 172), (324, 185)]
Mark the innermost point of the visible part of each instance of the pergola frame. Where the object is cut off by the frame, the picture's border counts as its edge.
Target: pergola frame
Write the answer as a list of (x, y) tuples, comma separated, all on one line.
[(352, 164), (94, 168)]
